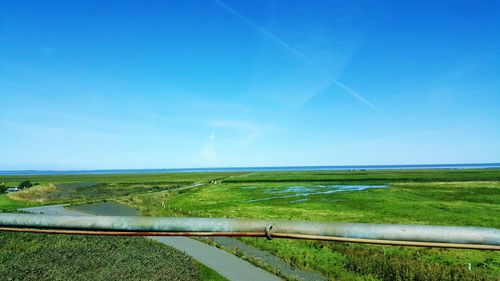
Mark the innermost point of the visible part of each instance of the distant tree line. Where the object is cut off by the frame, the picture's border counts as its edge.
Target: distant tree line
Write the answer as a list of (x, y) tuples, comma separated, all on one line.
[(25, 184)]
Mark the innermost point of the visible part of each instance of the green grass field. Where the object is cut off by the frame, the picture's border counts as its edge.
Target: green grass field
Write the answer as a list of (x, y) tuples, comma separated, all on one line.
[(7, 204), (25, 256), (440, 197)]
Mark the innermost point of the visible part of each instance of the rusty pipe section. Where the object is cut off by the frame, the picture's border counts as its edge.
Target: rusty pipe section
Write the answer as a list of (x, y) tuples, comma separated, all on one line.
[(269, 228)]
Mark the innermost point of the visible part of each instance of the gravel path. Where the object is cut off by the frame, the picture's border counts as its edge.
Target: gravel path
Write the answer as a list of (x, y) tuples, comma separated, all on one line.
[(226, 264)]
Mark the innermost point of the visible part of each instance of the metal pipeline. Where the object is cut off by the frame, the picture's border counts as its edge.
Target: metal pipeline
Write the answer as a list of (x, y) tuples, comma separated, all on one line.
[(387, 234)]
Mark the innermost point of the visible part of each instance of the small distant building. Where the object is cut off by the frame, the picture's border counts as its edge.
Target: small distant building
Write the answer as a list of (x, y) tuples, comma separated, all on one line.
[(12, 189)]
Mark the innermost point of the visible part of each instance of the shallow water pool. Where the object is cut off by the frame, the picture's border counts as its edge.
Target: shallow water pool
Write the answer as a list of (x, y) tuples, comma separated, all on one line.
[(295, 191)]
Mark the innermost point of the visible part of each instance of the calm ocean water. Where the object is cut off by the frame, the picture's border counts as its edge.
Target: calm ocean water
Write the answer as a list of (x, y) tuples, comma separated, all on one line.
[(254, 169)]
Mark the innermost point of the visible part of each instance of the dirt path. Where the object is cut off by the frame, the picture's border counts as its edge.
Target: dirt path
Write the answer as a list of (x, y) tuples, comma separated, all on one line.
[(226, 264)]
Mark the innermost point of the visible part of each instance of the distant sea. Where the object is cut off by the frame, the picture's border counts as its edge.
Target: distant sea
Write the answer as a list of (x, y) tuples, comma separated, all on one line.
[(253, 169)]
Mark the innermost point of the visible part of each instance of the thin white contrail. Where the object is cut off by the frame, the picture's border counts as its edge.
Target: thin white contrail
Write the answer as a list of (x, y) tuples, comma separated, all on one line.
[(357, 96), (260, 29), (278, 40)]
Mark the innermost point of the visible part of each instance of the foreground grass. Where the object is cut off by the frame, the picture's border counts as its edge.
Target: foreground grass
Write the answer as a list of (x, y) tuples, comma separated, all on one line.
[(67, 257), (207, 274)]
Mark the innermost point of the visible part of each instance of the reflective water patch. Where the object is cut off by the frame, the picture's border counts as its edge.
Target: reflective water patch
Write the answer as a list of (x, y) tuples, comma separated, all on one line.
[(303, 191)]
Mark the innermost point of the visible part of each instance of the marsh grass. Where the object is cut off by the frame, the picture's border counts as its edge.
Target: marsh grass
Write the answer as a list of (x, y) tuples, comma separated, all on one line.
[(466, 202)]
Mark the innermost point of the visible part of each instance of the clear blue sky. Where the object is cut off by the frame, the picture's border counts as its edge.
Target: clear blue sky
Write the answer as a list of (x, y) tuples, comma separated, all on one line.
[(168, 84)]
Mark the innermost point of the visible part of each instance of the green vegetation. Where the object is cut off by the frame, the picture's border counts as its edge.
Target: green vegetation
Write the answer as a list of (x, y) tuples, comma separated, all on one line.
[(87, 188), (74, 192), (25, 184), (22, 185), (372, 176), (150, 178), (32, 257), (450, 203), (67, 257), (440, 197), (460, 202), (8, 205), (208, 274)]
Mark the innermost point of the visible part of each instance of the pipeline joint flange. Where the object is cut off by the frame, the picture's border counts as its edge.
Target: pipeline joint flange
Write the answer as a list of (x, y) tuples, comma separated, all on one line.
[(267, 231)]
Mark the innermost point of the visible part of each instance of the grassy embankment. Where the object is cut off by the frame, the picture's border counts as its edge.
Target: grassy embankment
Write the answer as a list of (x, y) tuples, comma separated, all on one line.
[(442, 197)]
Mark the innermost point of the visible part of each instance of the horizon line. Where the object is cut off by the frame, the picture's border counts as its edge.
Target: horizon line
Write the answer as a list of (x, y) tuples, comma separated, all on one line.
[(235, 168)]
